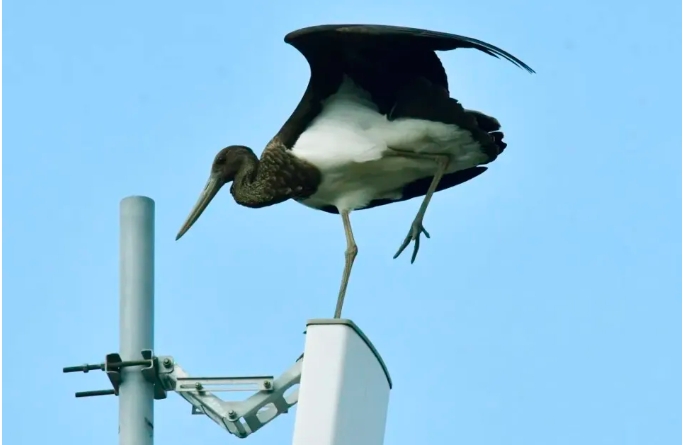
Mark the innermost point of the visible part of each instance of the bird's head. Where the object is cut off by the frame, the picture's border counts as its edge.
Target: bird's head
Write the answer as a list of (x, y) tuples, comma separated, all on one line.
[(225, 167)]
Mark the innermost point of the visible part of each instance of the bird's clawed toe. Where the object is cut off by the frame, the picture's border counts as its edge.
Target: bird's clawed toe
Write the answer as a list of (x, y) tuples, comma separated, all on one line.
[(416, 229)]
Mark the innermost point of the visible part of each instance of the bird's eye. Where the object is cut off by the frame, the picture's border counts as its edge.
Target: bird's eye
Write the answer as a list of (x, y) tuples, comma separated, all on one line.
[(220, 161)]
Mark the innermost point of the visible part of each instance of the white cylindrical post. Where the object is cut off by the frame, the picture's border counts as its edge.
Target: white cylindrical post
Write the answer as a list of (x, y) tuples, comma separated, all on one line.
[(136, 281), (344, 389)]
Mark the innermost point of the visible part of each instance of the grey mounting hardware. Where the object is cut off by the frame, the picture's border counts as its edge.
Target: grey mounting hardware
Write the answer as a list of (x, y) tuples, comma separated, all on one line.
[(112, 366), (240, 418)]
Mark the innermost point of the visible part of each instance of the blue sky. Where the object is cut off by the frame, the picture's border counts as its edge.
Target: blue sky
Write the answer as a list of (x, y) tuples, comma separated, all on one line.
[(545, 309)]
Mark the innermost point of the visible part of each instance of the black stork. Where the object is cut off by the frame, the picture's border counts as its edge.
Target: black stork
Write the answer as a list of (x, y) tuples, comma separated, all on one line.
[(375, 125)]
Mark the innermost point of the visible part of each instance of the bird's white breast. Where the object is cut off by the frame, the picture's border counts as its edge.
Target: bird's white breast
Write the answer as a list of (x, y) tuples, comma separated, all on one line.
[(349, 143)]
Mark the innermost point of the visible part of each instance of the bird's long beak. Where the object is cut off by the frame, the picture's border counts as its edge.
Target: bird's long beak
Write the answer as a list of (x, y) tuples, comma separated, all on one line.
[(213, 185)]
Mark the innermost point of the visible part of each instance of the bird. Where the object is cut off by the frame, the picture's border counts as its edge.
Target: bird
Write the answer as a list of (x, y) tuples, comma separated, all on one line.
[(376, 125)]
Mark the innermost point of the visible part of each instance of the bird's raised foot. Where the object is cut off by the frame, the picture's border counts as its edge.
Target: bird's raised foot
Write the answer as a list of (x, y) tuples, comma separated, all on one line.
[(416, 229)]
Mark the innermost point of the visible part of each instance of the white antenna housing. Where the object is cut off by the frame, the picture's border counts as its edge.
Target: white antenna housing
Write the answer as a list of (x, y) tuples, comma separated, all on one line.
[(344, 389)]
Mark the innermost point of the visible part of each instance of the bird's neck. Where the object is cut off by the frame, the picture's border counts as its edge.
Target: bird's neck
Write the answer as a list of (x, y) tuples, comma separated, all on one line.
[(247, 187), (275, 178)]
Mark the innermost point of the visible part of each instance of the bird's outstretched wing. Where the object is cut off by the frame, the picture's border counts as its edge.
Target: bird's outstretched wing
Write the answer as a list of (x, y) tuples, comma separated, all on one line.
[(383, 60)]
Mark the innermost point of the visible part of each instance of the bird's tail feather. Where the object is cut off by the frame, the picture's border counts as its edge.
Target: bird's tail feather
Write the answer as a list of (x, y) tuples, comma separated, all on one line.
[(490, 125), (423, 100)]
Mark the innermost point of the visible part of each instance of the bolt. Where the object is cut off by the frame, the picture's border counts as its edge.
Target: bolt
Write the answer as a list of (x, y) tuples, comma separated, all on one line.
[(198, 386), (167, 362), (232, 414), (267, 384)]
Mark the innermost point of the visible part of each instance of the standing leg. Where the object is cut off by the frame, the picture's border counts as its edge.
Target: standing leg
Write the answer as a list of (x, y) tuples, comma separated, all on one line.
[(416, 228), (350, 256)]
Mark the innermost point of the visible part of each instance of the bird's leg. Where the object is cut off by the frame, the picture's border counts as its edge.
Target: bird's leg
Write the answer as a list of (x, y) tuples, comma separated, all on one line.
[(416, 229), (350, 256)]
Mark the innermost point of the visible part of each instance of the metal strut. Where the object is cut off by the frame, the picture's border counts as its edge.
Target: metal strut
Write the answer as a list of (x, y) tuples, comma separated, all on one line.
[(240, 418)]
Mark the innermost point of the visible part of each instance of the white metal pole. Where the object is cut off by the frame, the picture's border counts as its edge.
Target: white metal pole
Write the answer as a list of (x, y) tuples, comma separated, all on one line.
[(136, 281), (344, 389)]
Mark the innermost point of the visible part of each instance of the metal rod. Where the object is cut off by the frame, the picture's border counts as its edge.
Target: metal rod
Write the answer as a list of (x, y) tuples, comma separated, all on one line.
[(128, 364), (99, 392), (83, 368), (136, 324)]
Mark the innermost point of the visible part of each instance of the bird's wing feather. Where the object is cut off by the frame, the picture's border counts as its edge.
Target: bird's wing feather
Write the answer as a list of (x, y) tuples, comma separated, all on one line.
[(382, 59), (362, 51), (396, 36)]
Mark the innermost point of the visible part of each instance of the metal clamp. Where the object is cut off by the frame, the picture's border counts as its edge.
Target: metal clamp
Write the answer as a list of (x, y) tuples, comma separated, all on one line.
[(113, 364)]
